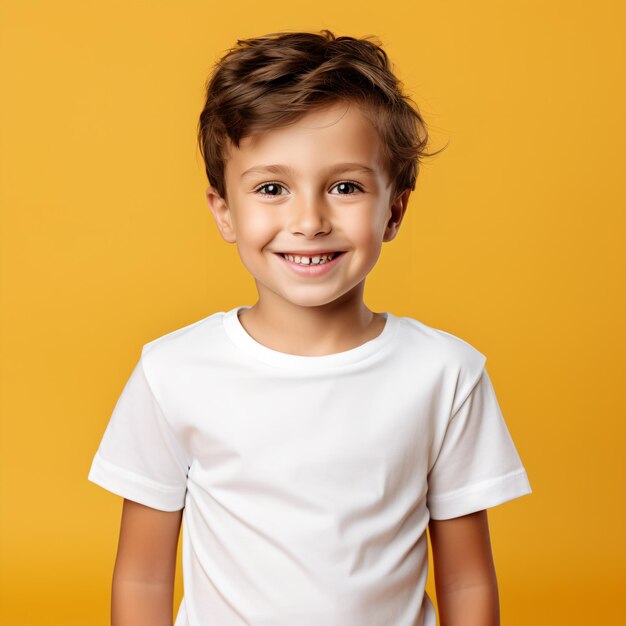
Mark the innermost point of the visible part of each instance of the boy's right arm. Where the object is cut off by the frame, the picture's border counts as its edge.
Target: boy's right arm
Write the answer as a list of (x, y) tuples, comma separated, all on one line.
[(145, 566)]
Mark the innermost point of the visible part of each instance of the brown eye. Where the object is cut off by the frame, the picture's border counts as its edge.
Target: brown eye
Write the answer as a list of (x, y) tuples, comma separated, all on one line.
[(271, 189), (347, 188)]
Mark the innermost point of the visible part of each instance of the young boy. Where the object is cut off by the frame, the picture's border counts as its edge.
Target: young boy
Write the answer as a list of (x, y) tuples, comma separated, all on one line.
[(309, 441)]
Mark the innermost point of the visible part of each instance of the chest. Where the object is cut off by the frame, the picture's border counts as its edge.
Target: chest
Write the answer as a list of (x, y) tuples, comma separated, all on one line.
[(321, 436)]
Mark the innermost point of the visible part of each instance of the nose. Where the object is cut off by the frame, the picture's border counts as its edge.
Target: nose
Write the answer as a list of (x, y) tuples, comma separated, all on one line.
[(308, 215)]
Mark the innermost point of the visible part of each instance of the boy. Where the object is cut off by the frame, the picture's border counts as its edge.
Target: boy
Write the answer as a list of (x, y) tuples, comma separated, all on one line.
[(309, 441)]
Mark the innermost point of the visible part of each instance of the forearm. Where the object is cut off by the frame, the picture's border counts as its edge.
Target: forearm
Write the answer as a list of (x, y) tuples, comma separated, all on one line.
[(474, 605), (141, 603)]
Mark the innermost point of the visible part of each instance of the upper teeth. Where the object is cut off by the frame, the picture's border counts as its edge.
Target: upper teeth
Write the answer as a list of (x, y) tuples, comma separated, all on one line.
[(315, 260)]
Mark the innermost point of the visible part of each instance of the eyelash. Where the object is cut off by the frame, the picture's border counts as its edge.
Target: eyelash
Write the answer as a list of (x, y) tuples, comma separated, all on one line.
[(269, 195)]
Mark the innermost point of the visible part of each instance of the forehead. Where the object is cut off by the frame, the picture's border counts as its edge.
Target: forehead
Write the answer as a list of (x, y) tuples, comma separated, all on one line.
[(324, 136)]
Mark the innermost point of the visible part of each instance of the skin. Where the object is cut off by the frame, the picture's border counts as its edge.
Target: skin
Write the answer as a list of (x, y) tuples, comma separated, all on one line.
[(142, 592), (465, 577), (310, 209)]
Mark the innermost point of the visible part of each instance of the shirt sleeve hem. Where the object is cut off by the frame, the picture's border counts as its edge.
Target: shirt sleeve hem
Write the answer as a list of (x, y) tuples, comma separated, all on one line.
[(133, 486), (480, 496)]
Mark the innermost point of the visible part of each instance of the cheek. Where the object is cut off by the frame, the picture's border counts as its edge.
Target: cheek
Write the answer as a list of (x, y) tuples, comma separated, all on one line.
[(255, 225), (366, 232)]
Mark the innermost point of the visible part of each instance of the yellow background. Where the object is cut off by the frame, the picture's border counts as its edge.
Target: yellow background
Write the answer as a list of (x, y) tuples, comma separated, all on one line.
[(513, 241)]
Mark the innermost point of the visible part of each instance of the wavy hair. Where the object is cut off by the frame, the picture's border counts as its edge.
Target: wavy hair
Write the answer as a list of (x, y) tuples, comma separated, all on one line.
[(271, 81)]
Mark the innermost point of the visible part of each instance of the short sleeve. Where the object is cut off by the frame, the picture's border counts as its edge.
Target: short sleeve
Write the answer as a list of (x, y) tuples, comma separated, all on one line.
[(139, 457), (477, 465)]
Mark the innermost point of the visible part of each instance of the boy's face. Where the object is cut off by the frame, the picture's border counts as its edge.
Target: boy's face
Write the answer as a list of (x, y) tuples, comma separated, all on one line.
[(315, 186)]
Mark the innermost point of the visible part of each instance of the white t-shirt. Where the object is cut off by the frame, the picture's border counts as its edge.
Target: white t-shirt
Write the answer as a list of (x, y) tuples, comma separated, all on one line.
[(308, 481)]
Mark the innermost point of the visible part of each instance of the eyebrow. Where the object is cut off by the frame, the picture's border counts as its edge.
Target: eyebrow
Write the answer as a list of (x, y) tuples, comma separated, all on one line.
[(286, 169)]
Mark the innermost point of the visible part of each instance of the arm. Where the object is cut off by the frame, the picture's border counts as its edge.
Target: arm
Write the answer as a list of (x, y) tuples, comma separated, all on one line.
[(145, 566), (465, 578)]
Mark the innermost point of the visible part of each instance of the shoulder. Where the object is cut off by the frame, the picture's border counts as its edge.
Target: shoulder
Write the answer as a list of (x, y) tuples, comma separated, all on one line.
[(440, 345), (170, 352), (459, 363)]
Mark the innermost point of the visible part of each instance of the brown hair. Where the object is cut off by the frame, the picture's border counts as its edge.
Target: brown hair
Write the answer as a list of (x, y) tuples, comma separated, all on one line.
[(273, 80)]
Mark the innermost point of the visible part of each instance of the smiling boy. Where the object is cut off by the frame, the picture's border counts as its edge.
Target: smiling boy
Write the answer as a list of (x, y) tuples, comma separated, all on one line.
[(309, 441)]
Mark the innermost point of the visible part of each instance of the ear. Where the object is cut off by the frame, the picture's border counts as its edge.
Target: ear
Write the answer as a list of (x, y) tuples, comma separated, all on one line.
[(398, 209), (221, 214)]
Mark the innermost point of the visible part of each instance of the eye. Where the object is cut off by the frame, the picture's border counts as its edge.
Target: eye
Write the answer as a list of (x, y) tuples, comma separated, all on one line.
[(272, 189), (344, 188)]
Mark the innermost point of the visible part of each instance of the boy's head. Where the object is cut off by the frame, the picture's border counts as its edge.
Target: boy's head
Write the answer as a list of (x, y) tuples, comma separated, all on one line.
[(272, 81), (311, 152)]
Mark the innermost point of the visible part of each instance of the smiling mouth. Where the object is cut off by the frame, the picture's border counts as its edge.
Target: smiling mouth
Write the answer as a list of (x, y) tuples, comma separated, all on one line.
[(313, 259)]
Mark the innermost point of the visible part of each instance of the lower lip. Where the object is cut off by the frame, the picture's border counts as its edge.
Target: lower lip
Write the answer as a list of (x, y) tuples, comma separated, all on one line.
[(312, 269)]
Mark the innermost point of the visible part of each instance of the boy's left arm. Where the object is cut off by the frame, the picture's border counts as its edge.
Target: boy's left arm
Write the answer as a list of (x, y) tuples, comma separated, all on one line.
[(465, 577)]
